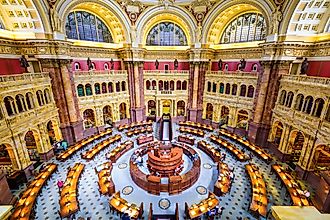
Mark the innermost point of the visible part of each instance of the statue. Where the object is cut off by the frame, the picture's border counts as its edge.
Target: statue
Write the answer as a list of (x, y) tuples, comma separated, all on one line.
[(176, 64), (24, 63), (111, 64), (304, 67), (56, 22), (198, 34), (220, 65), (277, 17), (157, 64), (89, 64), (242, 64)]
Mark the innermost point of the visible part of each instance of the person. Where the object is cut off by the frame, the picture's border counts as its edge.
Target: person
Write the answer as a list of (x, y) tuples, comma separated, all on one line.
[(223, 156), (220, 65), (89, 64), (307, 193), (60, 184), (125, 217)]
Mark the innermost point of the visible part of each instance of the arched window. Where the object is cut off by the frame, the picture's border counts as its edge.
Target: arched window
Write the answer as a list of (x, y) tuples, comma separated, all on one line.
[(289, 99), (299, 102), (104, 88), (10, 105), (93, 66), (282, 97), (180, 108), (80, 90), (226, 67), (166, 34), (106, 66), (148, 85), (160, 85), (172, 85), (20, 103), (243, 91), (76, 66), (318, 107), (107, 115), (308, 104), (166, 86), (40, 98), (178, 85), (110, 87), (209, 85), (151, 107), (123, 86), (250, 91), (29, 100), (117, 86), (122, 111), (47, 96), (209, 111), (227, 88), (81, 25), (89, 118), (214, 87), (244, 28), (184, 85), (88, 89), (255, 67), (234, 89), (153, 84), (97, 88), (222, 88)]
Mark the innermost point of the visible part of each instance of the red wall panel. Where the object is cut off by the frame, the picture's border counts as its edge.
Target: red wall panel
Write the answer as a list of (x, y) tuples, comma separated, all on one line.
[(99, 65), (319, 68), (151, 65), (10, 66)]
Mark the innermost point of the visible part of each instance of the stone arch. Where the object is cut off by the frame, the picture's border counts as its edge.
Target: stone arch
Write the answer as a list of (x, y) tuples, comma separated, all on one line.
[(33, 144), (151, 108), (122, 110), (321, 157), (107, 10), (242, 118), (181, 108), (154, 15), (7, 155), (107, 115), (229, 10), (277, 133), (209, 111), (89, 118), (53, 130), (295, 145)]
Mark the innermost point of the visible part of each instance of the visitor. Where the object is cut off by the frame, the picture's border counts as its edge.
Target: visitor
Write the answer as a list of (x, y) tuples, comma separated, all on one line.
[(307, 193), (223, 156), (125, 217), (60, 184)]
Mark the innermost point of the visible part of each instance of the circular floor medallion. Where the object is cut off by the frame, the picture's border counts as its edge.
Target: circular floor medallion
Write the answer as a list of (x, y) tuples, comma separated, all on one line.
[(122, 165), (127, 190), (207, 166), (201, 190), (164, 204)]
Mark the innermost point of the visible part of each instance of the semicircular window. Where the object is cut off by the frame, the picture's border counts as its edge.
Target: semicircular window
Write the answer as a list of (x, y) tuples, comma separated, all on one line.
[(166, 34), (245, 28), (81, 25)]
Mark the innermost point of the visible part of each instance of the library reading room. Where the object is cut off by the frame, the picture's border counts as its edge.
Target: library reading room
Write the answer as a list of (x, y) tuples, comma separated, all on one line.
[(164, 109)]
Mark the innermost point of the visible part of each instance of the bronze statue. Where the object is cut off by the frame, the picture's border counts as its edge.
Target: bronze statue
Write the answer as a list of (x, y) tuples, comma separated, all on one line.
[(157, 64), (304, 67), (220, 65), (89, 64), (111, 64), (176, 64), (243, 64), (24, 63)]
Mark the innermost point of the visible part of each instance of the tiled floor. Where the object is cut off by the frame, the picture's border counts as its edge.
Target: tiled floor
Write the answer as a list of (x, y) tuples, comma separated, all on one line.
[(94, 205)]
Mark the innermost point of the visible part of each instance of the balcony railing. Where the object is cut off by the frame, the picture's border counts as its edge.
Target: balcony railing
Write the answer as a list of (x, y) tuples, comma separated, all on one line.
[(166, 72), (232, 74), (99, 72), (24, 76), (306, 80)]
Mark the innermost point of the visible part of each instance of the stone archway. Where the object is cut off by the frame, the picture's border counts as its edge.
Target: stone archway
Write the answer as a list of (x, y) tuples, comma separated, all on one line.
[(107, 115), (53, 132), (296, 143), (321, 158), (242, 119), (151, 108), (277, 131), (167, 107), (7, 157), (209, 111), (32, 143)]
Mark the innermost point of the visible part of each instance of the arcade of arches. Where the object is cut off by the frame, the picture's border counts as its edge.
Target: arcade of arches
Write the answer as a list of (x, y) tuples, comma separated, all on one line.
[(72, 70)]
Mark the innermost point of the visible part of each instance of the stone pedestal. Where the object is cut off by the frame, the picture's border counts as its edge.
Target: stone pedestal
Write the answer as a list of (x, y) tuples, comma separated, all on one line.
[(194, 115), (5, 194)]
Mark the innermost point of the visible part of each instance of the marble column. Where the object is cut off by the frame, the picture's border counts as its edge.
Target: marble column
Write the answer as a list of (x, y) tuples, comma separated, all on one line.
[(65, 97), (196, 90), (136, 90), (266, 96)]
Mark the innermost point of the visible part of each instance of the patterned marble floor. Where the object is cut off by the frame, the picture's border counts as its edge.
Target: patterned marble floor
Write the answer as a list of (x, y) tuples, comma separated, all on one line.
[(94, 205)]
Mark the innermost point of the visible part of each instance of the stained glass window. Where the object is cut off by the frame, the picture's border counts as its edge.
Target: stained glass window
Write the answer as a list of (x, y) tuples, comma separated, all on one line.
[(244, 28), (166, 34), (82, 25)]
